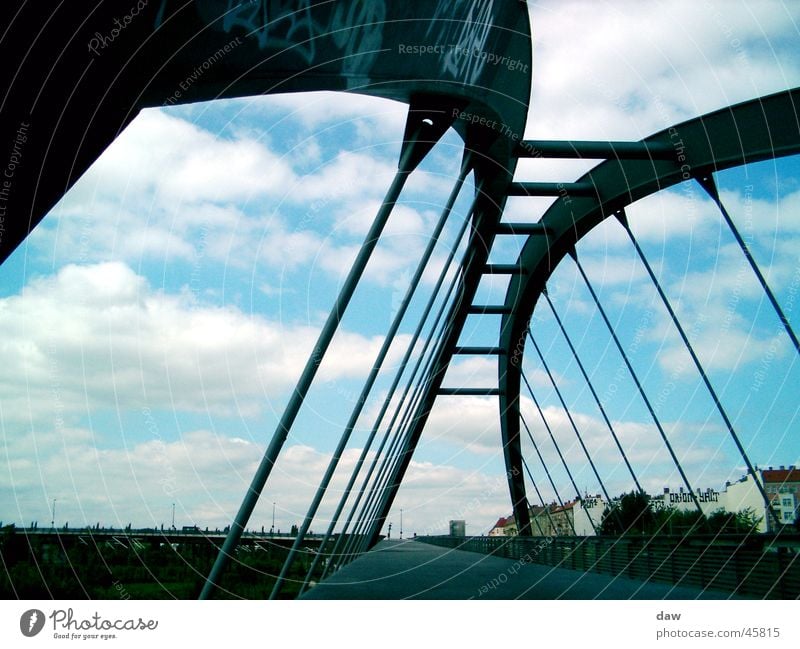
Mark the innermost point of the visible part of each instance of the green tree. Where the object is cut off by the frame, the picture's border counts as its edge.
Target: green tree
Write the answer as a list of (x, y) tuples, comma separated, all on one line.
[(631, 514), (671, 520), (741, 522)]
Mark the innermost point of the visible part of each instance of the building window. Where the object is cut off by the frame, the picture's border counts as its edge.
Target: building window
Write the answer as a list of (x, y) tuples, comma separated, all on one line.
[(787, 502), (787, 516)]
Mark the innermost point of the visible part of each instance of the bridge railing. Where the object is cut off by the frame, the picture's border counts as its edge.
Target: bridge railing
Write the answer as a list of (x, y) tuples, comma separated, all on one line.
[(762, 566)]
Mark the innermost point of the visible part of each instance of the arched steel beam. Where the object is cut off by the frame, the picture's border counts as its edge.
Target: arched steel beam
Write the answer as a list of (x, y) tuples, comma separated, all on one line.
[(74, 75), (760, 129), (73, 79)]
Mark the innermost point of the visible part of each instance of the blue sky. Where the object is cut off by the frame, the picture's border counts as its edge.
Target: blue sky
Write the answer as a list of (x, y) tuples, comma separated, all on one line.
[(156, 320)]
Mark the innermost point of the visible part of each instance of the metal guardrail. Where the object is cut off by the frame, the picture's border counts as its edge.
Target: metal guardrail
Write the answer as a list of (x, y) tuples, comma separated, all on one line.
[(758, 566)]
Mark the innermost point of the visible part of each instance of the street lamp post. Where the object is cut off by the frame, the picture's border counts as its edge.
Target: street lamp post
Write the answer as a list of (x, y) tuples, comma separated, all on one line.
[(401, 523), (53, 522), (173, 516), (272, 529)]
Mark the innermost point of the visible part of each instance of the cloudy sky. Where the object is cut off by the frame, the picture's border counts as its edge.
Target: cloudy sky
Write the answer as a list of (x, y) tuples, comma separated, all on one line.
[(155, 322)]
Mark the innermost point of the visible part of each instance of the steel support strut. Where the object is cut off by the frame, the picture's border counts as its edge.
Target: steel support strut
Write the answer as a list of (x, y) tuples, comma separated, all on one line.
[(393, 434), (423, 130), (487, 215), (623, 219), (760, 129), (373, 375), (384, 408)]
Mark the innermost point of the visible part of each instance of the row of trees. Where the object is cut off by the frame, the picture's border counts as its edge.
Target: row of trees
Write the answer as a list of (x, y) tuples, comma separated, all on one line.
[(632, 514)]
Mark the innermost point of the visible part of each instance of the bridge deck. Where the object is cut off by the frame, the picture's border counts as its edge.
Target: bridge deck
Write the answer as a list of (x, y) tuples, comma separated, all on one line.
[(413, 570)]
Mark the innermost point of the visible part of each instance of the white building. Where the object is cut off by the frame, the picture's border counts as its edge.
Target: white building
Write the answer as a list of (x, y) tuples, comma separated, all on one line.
[(783, 489), (586, 511), (781, 485), (499, 527), (709, 500), (744, 494), (577, 517)]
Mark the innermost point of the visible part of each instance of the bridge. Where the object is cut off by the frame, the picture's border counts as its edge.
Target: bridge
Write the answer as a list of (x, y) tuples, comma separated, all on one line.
[(487, 105), (415, 570)]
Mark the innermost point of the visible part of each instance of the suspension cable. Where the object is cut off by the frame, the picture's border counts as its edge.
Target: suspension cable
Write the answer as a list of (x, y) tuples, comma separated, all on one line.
[(307, 377), (545, 508), (622, 218), (592, 390), (403, 364), (373, 375), (558, 450), (635, 378), (354, 544), (569, 417), (707, 183)]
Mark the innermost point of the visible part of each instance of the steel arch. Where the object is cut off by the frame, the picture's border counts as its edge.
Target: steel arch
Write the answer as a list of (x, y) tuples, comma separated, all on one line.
[(462, 64), (78, 81), (755, 130)]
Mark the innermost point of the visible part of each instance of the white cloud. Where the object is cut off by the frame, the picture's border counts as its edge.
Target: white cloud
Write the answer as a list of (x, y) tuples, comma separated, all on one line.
[(432, 495), (100, 337), (697, 446), (206, 475), (168, 189), (467, 424), (614, 270), (618, 70), (351, 174), (180, 161), (681, 212), (723, 350), (317, 109)]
